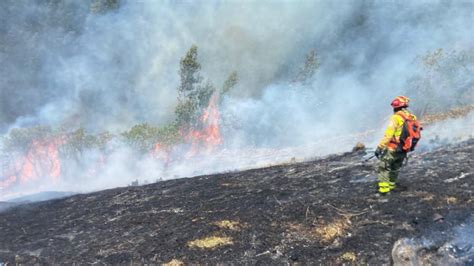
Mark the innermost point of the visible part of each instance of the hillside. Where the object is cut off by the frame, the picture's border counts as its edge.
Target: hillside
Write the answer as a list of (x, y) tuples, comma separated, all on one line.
[(320, 211)]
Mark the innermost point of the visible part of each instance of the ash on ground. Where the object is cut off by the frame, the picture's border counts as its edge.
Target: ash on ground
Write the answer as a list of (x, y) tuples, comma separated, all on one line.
[(322, 211)]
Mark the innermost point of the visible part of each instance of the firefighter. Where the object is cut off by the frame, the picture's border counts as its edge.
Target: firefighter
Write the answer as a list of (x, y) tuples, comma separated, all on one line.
[(388, 152)]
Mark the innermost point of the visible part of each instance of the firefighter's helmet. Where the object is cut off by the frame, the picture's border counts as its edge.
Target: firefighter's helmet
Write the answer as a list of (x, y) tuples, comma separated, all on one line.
[(400, 101)]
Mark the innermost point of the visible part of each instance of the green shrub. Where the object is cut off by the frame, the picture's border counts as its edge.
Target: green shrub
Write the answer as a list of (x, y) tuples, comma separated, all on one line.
[(144, 137), (20, 139), (78, 141)]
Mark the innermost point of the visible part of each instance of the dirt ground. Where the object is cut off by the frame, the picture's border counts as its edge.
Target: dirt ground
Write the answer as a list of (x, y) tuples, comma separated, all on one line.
[(323, 211)]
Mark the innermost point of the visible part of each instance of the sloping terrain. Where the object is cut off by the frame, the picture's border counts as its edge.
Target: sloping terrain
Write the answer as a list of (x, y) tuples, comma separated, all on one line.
[(6, 205), (320, 211)]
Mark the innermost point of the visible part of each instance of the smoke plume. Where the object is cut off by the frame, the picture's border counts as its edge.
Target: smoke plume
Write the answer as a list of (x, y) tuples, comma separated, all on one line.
[(108, 65)]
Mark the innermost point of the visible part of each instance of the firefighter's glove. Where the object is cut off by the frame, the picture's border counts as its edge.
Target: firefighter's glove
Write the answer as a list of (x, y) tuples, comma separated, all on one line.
[(379, 152)]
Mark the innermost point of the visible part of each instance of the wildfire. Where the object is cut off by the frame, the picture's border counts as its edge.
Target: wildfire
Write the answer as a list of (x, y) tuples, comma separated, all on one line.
[(202, 139), (157, 150), (40, 161), (161, 152), (209, 137)]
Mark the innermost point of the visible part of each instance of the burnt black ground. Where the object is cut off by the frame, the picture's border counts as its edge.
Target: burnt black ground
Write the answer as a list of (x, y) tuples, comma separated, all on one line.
[(281, 211), (6, 205)]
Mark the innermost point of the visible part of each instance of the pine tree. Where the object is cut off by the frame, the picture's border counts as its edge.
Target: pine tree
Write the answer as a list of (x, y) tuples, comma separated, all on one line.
[(193, 96), (189, 73)]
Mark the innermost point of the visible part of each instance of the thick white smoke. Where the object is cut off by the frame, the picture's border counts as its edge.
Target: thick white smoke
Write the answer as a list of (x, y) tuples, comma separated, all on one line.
[(66, 66)]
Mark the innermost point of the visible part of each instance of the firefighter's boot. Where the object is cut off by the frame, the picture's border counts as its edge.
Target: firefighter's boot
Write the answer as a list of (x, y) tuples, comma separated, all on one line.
[(392, 185), (384, 187)]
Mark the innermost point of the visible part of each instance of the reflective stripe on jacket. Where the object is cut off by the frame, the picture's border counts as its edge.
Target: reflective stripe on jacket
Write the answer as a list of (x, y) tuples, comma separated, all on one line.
[(392, 134)]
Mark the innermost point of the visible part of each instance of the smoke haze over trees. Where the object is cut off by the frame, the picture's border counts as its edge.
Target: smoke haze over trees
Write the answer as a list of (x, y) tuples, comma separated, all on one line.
[(62, 61), (287, 72)]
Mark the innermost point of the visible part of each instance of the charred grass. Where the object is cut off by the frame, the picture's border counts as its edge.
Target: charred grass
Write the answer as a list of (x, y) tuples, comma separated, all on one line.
[(323, 211)]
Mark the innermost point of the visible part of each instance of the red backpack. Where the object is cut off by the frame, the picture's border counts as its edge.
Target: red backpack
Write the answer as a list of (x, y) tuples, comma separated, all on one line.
[(411, 133)]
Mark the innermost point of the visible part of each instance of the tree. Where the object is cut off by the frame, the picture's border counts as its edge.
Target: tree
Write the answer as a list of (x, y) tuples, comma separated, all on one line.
[(193, 96), (203, 95), (102, 6), (78, 141), (230, 82), (144, 137), (189, 73), (20, 139), (443, 81), (185, 112), (309, 69)]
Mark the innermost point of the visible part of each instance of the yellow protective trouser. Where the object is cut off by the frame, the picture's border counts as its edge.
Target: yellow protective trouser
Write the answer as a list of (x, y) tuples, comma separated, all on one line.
[(388, 169)]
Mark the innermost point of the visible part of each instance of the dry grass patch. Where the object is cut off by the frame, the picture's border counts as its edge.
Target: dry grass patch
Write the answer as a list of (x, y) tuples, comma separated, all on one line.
[(210, 242), (228, 224), (428, 197), (348, 256), (298, 228), (329, 231), (324, 232), (358, 147), (298, 232), (451, 200), (174, 262)]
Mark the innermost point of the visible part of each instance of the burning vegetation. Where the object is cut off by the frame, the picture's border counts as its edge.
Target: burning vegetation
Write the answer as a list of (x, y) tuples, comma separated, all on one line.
[(41, 161), (40, 155), (34, 156), (94, 66)]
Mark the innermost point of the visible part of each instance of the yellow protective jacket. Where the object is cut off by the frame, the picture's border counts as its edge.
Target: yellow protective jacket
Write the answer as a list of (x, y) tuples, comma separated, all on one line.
[(392, 134)]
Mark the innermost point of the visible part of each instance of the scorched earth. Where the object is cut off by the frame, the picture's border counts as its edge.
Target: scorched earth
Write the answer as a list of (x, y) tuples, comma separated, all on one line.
[(321, 211)]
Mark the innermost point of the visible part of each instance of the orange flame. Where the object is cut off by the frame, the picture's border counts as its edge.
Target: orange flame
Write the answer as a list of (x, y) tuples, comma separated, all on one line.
[(161, 152), (209, 136), (40, 161), (157, 150)]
